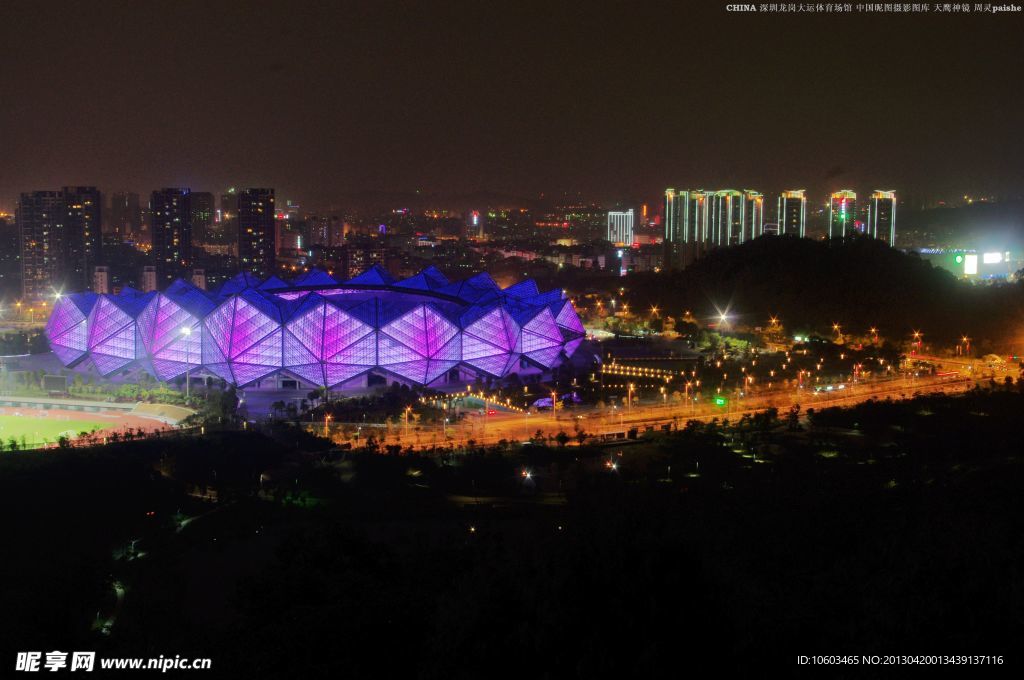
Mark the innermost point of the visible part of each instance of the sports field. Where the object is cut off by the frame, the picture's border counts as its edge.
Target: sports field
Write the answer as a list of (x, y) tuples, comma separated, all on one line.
[(39, 431)]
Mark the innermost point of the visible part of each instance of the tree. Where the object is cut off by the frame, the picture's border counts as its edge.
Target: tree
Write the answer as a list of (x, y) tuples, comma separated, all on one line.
[(793, 419), (316, 395), (562, 438)]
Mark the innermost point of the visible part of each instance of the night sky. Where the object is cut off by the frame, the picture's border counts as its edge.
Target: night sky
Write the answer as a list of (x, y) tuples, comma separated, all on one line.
[(612, 101)]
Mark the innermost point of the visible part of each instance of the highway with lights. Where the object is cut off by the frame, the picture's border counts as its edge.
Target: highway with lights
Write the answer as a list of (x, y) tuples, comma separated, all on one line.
[(492, 425)]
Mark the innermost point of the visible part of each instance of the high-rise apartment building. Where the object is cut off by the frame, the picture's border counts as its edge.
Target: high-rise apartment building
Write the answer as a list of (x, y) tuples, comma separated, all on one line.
[(792, 212), (171, 229), (125, 218), (83, 239), (229, 204), (256, 231), (882, 216), (203, 212), (842, 213), (698, 220), (40, 219), (735, 217), (59, 240), (726, 217), (687, 226), (753, 215)]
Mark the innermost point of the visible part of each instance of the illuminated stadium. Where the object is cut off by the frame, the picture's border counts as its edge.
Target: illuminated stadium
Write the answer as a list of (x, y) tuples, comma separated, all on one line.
[(315, 330)]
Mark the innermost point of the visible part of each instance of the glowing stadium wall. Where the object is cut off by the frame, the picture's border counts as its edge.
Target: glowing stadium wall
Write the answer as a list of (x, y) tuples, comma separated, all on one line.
[(321, 331)]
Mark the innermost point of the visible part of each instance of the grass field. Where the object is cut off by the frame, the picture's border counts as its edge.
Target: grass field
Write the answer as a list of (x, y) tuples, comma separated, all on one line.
[(38, 431)]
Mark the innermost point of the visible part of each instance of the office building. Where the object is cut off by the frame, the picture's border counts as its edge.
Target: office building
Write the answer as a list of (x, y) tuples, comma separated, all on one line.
[(620, 227)]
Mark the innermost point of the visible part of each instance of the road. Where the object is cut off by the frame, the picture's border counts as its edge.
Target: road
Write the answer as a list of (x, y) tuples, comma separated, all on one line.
[(975, 368), (486, 430)]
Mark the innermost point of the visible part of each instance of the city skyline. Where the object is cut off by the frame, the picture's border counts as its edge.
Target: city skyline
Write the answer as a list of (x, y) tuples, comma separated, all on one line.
[(117, 218)]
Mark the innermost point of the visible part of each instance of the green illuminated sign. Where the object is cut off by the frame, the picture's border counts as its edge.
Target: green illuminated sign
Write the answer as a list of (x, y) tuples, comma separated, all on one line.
[(721, 401)]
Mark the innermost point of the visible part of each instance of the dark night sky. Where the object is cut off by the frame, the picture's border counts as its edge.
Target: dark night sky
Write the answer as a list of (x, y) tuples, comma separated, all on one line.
[(615, 101)]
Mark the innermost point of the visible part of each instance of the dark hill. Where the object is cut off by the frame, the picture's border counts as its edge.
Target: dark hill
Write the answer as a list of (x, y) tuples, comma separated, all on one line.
[(860, 283)]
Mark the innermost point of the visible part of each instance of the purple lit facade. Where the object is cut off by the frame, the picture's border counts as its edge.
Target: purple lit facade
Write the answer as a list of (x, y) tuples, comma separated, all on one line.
[(113, 334), (171, 327), (67, 328), (422, 330)]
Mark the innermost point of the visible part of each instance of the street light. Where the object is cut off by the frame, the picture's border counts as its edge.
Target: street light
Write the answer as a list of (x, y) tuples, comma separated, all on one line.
[(186, 332)]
